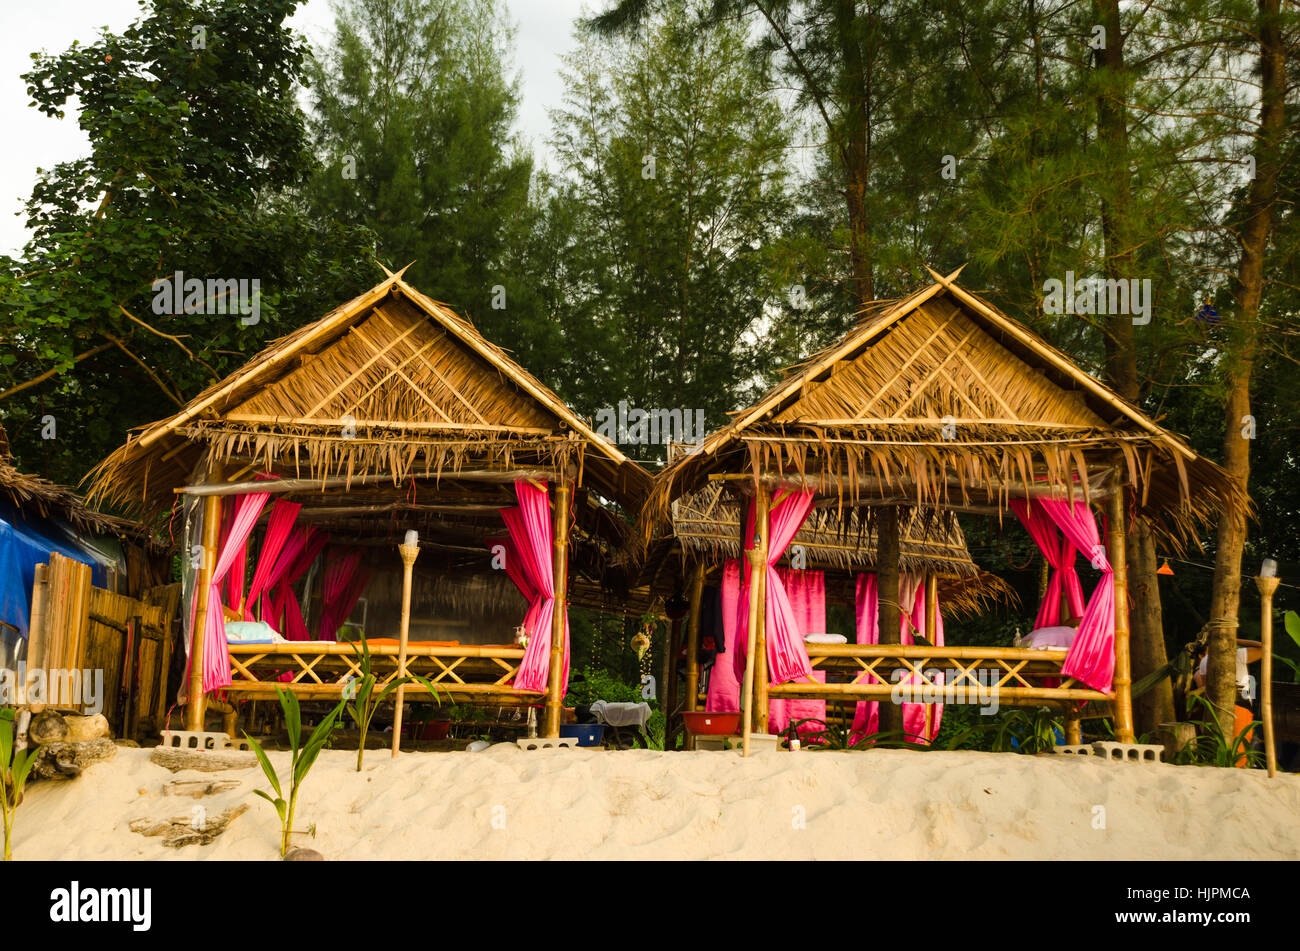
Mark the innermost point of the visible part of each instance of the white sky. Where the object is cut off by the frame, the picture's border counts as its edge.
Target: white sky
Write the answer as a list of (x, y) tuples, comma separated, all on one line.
[(544, 32)]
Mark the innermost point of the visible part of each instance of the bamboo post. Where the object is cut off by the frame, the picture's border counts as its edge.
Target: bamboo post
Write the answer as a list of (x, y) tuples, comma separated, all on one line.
[(760, 646), (560, 573), (409, 553), (693, 644), (1073, 728), (203, 585), (931, 629), (887, 585), (1119, 565), (757, 561), (1267, 586)]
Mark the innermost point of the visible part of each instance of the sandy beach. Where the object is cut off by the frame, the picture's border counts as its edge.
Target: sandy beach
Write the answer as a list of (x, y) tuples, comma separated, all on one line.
[(504, 803)]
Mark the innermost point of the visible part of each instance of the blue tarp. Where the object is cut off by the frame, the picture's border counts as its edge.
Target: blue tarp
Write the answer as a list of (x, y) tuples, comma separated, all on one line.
[(24, 544)]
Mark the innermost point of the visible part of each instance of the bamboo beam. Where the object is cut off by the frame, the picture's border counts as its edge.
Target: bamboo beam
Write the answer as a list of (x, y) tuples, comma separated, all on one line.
[(409, 553), (693, 643), (414, 425), (203, 586), (1267, 587), (328, 482), (1123, 679), (761, 674), (560, 574), (835, 483)]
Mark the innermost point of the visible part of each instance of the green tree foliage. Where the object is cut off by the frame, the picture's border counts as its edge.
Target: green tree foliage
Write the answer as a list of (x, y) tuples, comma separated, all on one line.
[(671, 191), (196, 147)]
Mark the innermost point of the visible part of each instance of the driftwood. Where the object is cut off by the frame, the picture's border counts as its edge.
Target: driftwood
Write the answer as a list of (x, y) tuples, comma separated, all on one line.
[(66, 760), (46, 727), (199, 788), (195, 829), (207, 761)]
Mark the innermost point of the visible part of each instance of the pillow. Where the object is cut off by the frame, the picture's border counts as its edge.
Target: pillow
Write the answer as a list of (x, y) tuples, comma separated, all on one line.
[(1047, 638), (252, 631), (825, 639)]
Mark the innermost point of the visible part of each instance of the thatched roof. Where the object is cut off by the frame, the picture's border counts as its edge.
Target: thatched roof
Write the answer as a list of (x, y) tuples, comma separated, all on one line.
[(29, 493), (939, 399), (390, 383), (708, 522)]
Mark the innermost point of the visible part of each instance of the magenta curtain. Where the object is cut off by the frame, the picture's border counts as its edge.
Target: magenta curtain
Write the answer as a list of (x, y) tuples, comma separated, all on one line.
[(514, 567), (911, 597), (806, 591), (724, 688), (278, 529), (216, 659), (787, 658), (345, 579), (1092, 656), (529, 526), (301, 550), (1060, 557), (234, 585)]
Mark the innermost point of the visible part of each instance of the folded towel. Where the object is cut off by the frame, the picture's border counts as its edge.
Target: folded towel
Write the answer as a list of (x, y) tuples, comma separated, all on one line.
[(621, 714)]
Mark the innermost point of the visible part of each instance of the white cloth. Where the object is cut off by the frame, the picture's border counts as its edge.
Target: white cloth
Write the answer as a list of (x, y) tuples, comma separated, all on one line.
[(237, 631), (621, 714), (825, 639), (1048, 638)]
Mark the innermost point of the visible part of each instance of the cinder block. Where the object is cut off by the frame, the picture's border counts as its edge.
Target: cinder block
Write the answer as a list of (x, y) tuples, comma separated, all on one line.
[(1129, 752), (1081, 750), (548, 743), (201, 740)]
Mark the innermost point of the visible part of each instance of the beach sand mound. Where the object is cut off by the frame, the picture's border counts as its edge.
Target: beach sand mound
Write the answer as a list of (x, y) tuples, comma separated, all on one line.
[(505, 803)]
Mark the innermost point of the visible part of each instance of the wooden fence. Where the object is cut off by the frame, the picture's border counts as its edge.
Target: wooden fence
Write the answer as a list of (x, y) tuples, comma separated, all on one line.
[(78, 627)]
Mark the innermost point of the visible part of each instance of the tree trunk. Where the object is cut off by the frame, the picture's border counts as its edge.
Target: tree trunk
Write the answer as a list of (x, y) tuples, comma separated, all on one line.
[(857, 149), (887, 548), (1242, 353), (1146, 616)]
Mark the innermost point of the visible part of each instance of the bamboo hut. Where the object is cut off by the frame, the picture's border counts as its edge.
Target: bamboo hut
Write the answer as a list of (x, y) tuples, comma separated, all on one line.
[(940, 402), (388, 427)]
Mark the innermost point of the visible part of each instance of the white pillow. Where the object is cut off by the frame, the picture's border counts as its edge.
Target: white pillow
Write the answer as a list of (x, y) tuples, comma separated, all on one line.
[(1048, 638), (252, 631), (825, 639)]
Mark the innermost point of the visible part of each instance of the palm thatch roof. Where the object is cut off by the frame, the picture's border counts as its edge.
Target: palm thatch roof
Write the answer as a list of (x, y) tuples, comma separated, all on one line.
[(391, 385), (939, 399)]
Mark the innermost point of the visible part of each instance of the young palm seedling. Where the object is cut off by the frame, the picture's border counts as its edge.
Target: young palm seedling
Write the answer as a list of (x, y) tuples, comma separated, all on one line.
[(15, 767), (364, 701), (302, 757)]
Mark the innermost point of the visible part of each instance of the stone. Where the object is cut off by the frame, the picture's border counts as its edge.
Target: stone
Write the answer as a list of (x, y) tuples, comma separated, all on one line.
[(67, 760), (81, 729), (303, 855)]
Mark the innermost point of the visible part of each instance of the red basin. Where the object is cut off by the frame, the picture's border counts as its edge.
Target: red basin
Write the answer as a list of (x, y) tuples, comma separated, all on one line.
[(711, 724)]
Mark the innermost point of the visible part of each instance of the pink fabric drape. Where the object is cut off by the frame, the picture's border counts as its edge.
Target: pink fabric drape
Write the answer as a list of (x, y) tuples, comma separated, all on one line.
[(1092, 656), (345, 579), (234, 585), (787, 658), (1060, 557), (806, 591), (216, 659), (911, 599), (302, 549), (529, 526), (724, 688), (278, 529)]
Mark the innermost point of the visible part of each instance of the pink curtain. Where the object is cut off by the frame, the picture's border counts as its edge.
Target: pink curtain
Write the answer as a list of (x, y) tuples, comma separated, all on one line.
[(235, 578), (787, 658), (1092, 656), (911, 597), (1060, 557), (529, 526), (806, 591), (724, 688), (345, 579), (301, 550), (278, 529), (216, 659)]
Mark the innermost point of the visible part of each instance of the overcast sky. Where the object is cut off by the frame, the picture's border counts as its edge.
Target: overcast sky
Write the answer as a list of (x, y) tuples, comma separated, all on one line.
[(544, 32)]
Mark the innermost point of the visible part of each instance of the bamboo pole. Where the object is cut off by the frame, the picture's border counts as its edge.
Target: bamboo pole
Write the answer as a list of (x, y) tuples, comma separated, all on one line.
[(757, 561), (211, 541), (409, 553), (333, 482), (890, 613), (693, 644), (931, 629), (560, 573), (1267, 586), (1123, 679)]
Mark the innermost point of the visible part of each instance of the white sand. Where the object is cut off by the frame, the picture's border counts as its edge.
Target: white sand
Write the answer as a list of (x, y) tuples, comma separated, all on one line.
[(637, 804)]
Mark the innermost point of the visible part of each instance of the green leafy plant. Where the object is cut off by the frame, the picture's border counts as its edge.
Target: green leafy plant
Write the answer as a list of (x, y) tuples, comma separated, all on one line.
[(1213, 747), (430, 686), (302, 758), (1291, 621), (15, 767), (364, 701)]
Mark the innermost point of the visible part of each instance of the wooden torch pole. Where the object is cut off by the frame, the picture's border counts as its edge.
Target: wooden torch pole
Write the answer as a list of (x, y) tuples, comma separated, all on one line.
[(1267, 586), (409, 553), (693, 644), (758, 564), (1123, 679)]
